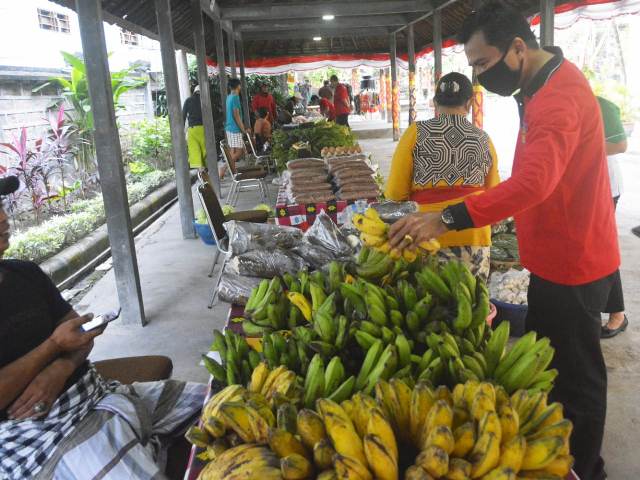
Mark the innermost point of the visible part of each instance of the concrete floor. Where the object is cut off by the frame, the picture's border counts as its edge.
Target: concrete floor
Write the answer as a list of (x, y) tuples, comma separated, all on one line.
[(176, 292)]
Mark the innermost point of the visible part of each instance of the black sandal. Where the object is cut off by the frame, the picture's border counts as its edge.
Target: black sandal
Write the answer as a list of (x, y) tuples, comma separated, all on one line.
[(612, 332)]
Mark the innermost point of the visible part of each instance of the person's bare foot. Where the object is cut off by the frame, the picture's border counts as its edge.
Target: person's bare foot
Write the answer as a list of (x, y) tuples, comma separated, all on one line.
[(615, 320)]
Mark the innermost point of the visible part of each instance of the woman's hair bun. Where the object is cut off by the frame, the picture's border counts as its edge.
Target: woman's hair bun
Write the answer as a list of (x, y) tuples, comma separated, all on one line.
[(453, 90)]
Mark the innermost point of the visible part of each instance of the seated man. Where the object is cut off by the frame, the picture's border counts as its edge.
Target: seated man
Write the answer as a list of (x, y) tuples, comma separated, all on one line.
[(58, 418), (262, 129)]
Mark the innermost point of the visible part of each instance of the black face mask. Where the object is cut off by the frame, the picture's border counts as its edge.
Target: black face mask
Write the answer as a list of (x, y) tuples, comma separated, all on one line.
[(500, 78)]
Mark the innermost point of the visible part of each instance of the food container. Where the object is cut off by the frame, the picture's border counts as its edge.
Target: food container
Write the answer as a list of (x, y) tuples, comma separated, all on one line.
[(203, 230)]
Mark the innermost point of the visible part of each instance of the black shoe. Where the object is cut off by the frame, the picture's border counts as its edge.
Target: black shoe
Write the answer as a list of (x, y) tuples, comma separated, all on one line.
[(612, 332)]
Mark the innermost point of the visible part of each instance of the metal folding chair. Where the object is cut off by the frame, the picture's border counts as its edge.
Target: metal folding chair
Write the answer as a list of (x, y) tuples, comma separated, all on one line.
[(216, 219), (248, 177), (266, 159)]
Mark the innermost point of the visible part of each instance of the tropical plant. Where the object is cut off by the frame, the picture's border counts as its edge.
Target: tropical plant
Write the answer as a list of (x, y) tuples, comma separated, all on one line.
[(75, 90), (150, 142)]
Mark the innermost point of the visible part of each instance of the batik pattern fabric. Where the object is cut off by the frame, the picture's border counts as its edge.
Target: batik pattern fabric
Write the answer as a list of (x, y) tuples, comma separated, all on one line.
[(450, 149), (101, 430), (478, 259)]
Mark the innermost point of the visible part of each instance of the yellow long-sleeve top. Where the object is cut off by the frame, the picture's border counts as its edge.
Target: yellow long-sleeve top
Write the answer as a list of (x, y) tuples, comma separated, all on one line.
[(438, 163)]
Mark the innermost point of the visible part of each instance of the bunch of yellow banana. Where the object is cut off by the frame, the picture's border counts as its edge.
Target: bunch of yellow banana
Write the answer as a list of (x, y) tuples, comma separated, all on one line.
[(478, 431), (373, 234), (244, 461)]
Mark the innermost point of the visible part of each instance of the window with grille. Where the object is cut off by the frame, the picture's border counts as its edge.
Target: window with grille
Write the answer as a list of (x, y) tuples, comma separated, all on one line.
[(129, 38), (55, 22)]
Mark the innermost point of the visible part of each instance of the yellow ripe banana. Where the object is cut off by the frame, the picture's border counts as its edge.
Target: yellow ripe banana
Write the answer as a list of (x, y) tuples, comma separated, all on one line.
[(363, 406), (259, 425), (509, 423), (443, 393), (537, 475), (271, 378), (295, 467), (215, 427), (323, 454), (465, 438), (258, 377), (409, 255), (482, 404), (349, 406), (310, 427), (422, 399), (327, 475), (442, 437), (540, 453), (387, 399), (440, 414), (512, 453), (403, 396), (326, 406), (415, 472), (434, 460), (430, 246), (341, 431), (490, 422), (470, 389), (350, 469), (459, 469), (372, 227), (485, 455), (500, 473), (488, 389), (458, 396), (395, 254), (555, 415), (243, 461), (282, 385), (460, 417), (213, 451), (518, 399), (383, 248), (236, 417), (284, 443), (502, 397), (198, 437), (372, 240), (227, 394), (381, 428), (563, 429), (381, 460), (560, 466), (372, 214), (303, 304)]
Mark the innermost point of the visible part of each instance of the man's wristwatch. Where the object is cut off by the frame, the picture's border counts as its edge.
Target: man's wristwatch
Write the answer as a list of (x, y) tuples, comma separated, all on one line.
[(447, 218)]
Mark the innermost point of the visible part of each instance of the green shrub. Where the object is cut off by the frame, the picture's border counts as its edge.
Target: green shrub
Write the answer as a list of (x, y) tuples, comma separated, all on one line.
[(43, 241), (150, 143)]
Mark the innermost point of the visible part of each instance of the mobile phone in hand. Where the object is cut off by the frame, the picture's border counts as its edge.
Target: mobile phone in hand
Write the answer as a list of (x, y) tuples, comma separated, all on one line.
[(101, 320)]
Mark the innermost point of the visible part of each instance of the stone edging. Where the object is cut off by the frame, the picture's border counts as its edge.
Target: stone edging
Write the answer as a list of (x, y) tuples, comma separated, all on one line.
[(76, 257)]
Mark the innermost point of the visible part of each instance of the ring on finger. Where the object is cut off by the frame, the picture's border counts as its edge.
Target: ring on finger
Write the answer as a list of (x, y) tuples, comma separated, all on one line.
[(40, 407)]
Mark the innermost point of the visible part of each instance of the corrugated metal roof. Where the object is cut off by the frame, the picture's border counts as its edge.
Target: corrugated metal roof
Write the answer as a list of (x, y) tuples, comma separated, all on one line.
[(139, 16)]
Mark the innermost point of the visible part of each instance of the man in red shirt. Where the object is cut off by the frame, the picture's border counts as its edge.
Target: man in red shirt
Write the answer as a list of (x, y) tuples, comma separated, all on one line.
[(327, 109), (560, 197), (263, 99), (341, 101)]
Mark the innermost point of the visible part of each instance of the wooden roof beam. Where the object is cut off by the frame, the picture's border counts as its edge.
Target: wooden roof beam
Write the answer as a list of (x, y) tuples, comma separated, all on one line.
[(327, 33), (436, 5), (318, 9), (311, 25)]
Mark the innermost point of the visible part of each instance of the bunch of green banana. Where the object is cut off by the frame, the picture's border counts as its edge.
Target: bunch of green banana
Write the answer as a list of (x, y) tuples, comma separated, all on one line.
[(267, 309), (374, 265), (238, 358), (330, 382), (524, 366)]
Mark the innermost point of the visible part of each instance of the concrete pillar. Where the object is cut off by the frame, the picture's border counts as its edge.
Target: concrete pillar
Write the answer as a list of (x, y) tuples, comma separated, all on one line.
[(183, 75), (245, 89), (387, 88), (176, 122), (547, 13), (110, 166), (222, 72), (205, 95), (411, 53), (395, 99), (231, 42), (383, 94), (437, 45)]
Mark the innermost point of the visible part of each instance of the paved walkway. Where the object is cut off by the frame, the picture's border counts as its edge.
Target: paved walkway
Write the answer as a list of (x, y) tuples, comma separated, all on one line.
[(176, 291)]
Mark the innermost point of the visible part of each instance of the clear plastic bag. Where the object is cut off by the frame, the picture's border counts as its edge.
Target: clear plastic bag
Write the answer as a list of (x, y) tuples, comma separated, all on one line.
[(246, 236), (510, 287), (391, 211), (325, 232), (235, 288), (266, 263)]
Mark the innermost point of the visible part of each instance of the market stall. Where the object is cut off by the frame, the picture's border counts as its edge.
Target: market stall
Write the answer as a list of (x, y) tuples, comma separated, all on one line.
[(376, 363)]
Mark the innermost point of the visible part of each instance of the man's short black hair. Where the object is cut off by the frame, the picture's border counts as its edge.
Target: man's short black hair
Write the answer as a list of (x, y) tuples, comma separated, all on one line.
[(263, 112), (234, 83), (500, 24), (326, 83), (334, 78)]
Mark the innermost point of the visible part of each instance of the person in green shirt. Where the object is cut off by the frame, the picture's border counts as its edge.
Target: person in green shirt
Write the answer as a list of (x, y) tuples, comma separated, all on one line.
[(616, 143)]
